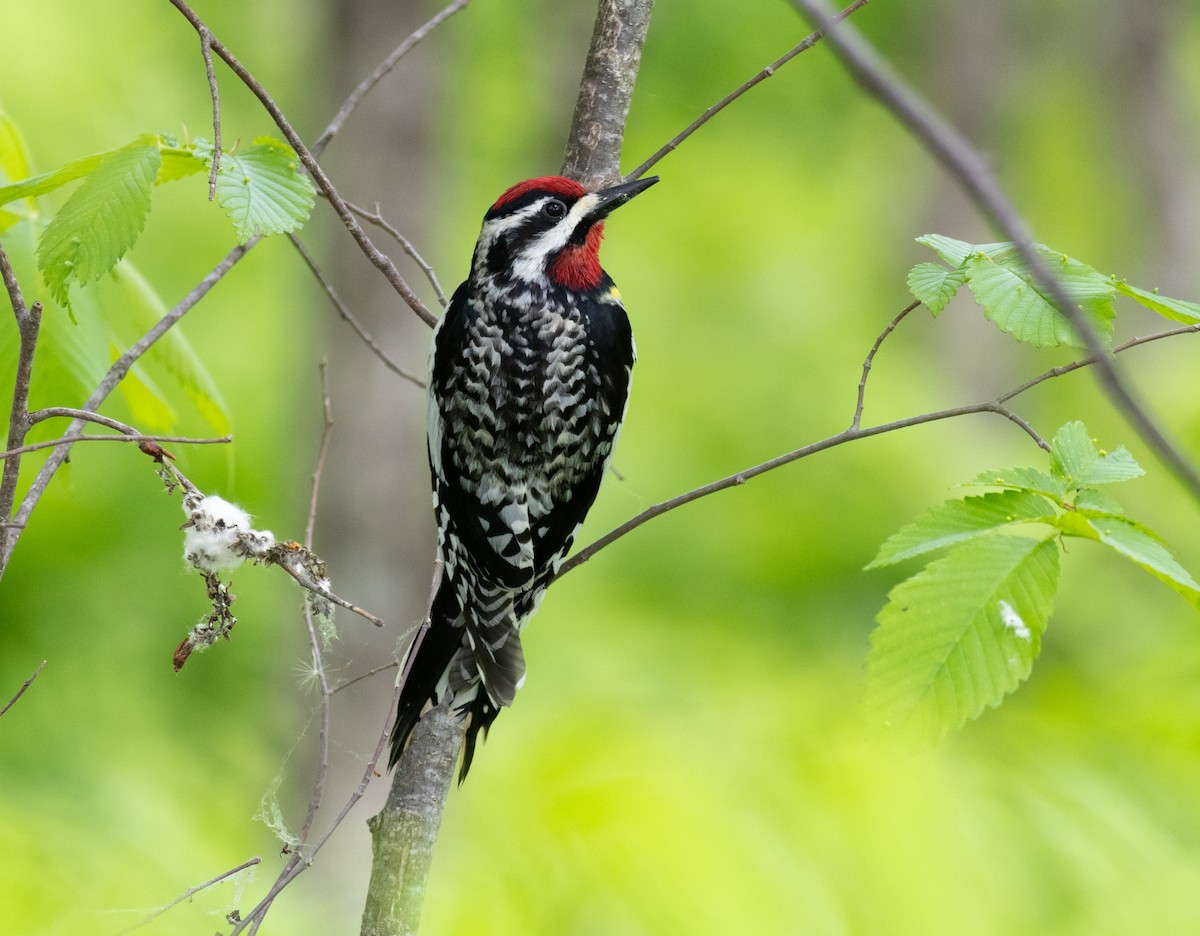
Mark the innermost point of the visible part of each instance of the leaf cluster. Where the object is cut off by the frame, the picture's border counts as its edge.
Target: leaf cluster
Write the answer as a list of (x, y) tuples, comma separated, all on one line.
[(964, 631), (260, 189), (1010, 297)]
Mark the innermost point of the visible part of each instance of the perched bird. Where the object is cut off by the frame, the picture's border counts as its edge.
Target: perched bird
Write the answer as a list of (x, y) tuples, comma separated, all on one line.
[(529, 377)]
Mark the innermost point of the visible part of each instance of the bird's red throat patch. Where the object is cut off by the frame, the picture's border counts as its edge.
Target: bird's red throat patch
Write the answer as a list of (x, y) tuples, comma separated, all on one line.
[(577, 266)]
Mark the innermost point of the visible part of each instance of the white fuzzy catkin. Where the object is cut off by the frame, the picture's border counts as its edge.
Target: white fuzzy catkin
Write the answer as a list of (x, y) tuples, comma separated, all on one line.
[(219, 536)]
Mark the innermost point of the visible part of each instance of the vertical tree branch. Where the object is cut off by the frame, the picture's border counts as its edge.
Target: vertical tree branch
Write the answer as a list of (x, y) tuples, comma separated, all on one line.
[(29, 321), (593, 153)]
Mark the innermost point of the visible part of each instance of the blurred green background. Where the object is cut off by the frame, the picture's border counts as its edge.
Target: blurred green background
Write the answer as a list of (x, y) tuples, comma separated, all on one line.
[(688, 755)]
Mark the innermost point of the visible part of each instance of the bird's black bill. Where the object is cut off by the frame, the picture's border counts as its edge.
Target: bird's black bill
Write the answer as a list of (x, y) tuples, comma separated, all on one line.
[(612, 198)]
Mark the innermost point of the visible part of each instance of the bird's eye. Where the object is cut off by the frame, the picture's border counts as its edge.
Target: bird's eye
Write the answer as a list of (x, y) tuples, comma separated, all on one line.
[(554, 209)]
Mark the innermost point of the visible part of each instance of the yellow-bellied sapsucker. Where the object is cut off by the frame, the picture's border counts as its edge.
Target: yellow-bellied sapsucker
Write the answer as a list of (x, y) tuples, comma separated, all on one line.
[(529, 378)]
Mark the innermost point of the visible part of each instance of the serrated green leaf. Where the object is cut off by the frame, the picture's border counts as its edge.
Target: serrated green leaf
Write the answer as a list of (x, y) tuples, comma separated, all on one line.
[(261, 189), (955, 252), (962, 633), (49, 181), (1075, 458), (1175, 309), (934, 285), (1100, 501), (957, 520), (101, 220), (1005, 289), (1135, 542), (1023, 479)]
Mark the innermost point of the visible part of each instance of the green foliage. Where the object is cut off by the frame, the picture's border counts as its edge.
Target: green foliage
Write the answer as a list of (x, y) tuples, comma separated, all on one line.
[(1005, 289), (964, 631), (95, 227), (261, 190)]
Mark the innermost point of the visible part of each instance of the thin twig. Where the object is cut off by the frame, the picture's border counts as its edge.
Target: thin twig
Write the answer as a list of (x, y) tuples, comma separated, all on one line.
[(25, 685), (314, 640), (297, 869), (406, 245), (866, 369), (128, 437), (377, 257), (972, 172), (215, 93), (852, 434), (305, 582), (349, 316), (192, 892), (367, 675), (671, 145), (383, 68)]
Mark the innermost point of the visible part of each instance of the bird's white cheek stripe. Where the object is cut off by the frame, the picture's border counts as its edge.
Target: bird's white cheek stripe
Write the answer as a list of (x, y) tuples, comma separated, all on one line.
[(531, 264)]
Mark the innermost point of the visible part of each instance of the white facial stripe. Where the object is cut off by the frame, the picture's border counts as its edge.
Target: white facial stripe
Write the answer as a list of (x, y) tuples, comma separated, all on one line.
[(530, 263)]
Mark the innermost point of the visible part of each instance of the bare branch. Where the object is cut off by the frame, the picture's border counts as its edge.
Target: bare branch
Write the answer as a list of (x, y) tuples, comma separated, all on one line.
[(377, 257), (593, 153), (969, 168), (852, 434), (671, 145), (28, 321), (69, 440), (406, 245), (215, 93), (192, 892), (25, 685), (349, 317), (377, 75), (866, 370)]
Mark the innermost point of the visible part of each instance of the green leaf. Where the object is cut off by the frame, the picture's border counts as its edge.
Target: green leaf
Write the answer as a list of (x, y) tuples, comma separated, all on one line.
[(1100, 501), (14, 154), (1004, 287), (1023, 479), (49, 181), (955, 252), (955, 638), (958, 520), (178, 163), (1075, 458), (261, 189), (934, 285), (101, 220), (1135, 542), (1175, 309)]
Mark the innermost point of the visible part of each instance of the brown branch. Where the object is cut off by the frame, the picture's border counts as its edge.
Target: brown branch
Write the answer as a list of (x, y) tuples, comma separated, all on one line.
[(972, 172), (593, 152), (28, 321), (356, 96), (378, 258), (130, 437), (853, 434), (215, 93), (866, 369), (673, 144), (406, 245), (25, 685), (349, 318)]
